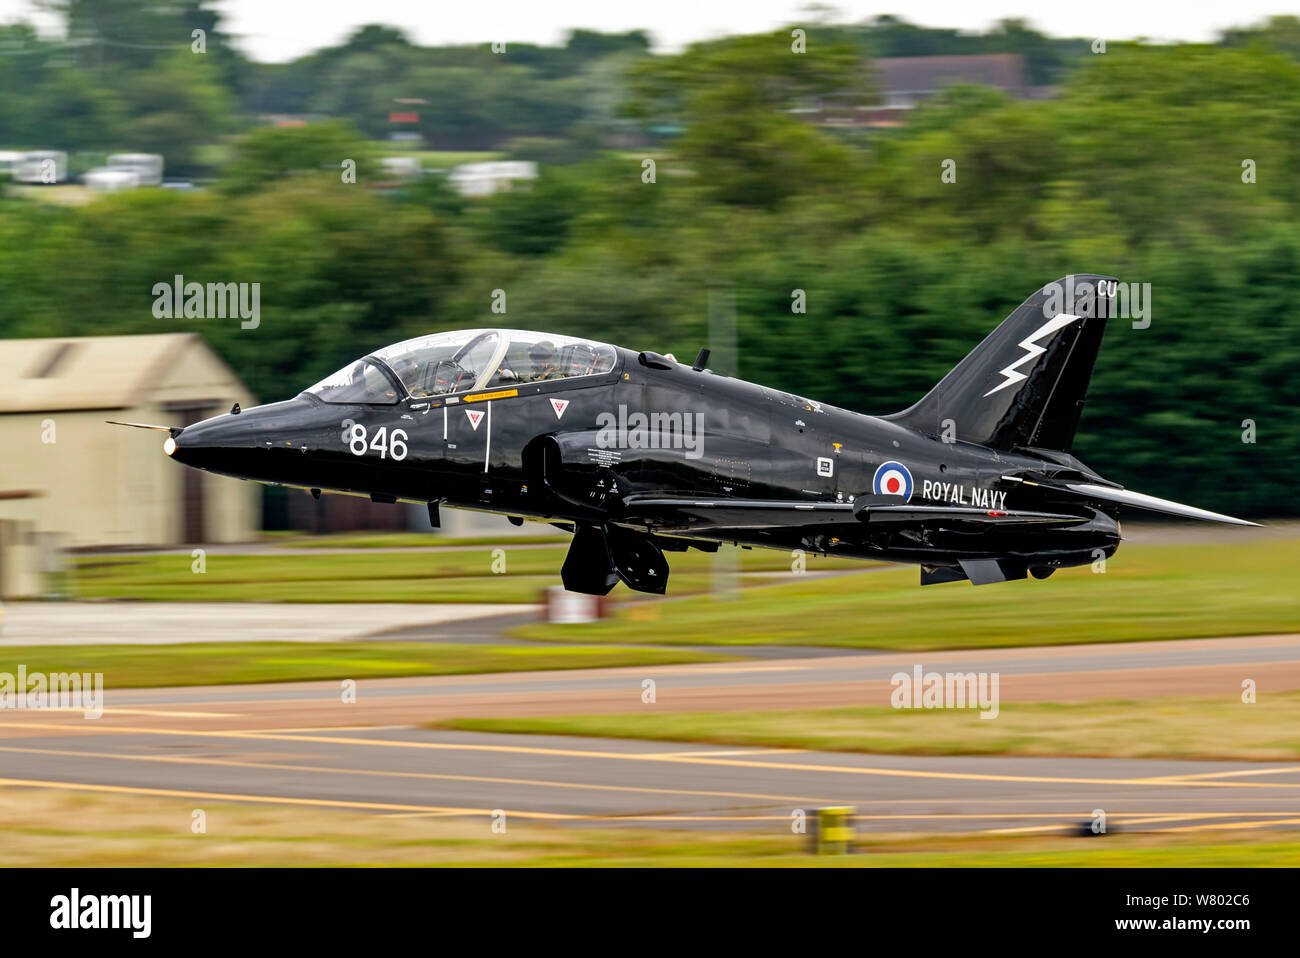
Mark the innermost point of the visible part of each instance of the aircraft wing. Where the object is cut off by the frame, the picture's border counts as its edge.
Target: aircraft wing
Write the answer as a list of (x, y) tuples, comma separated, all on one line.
[(697, 514), (900, 514), (1125, 497)]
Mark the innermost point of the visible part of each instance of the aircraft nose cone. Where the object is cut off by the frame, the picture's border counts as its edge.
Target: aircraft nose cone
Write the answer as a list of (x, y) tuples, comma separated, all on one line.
[(208, 443), (237, 444), (195, 445)]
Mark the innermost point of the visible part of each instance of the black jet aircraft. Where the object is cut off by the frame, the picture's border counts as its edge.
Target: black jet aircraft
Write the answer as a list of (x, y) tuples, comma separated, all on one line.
[(637, 453)]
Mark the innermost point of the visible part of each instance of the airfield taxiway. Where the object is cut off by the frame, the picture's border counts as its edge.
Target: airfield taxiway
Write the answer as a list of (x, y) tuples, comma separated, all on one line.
[(299, 744)]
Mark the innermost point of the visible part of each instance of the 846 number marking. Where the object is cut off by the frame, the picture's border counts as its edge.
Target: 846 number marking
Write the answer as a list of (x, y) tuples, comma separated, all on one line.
[(389, 445)]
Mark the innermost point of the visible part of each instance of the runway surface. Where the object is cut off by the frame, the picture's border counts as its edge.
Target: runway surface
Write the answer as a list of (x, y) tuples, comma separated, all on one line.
[(165, 623), (299, 744), (406, 771)]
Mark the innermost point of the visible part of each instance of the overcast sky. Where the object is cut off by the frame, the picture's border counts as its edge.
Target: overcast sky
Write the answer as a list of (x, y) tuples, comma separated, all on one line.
[(277, 30)]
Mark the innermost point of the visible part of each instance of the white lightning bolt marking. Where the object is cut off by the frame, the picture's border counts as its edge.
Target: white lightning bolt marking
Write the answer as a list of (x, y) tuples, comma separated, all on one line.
[(1032, 350)]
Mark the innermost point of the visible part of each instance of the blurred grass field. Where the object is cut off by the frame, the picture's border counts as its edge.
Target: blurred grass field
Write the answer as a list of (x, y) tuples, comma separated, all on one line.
[(55, 828), (1147, 592), (1176, 727), (229, 663), (451, 575), (403, 540)]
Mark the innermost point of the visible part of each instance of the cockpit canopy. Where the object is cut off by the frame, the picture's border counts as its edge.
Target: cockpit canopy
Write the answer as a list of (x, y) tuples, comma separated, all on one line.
[(461, 360)]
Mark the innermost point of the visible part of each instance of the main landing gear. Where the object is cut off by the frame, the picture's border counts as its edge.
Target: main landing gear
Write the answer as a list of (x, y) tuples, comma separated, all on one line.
[(601, 555)]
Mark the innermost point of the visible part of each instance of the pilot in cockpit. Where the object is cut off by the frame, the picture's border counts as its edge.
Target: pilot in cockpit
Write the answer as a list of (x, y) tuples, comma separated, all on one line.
[(545, 360), (410, 372)]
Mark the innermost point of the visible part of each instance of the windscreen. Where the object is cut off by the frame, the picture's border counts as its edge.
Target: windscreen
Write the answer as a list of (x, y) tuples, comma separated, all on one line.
[(358, 382), (442, 363), (536, 357)]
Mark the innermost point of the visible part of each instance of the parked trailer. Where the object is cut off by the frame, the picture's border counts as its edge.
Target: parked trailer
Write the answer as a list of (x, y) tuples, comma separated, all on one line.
[(148, 167)]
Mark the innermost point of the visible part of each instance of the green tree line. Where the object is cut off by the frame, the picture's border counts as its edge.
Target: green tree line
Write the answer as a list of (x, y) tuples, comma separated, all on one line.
[(1168, 165)]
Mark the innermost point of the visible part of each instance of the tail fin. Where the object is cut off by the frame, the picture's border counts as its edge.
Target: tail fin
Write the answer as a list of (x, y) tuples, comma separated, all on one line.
[(1024, 384)]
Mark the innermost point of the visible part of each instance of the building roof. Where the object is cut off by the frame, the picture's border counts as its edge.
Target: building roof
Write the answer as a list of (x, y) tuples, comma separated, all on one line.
[(90, 372), (928, 74)]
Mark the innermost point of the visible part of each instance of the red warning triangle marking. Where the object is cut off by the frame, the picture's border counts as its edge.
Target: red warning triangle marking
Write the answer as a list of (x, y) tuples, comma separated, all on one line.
[(559, 405), (475, 417)]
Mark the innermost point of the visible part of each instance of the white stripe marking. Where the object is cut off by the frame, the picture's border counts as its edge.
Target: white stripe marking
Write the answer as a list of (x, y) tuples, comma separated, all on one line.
[(1032, 351)]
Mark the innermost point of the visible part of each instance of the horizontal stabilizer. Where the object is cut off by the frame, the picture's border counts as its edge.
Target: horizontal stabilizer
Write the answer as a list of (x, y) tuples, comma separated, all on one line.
[(1125, 497)]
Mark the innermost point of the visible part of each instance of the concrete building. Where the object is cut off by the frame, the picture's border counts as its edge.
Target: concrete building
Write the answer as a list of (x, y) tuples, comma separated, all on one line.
[(68, 473)]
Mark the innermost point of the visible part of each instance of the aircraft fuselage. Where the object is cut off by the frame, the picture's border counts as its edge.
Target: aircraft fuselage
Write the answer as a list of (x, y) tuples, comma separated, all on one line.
[(636, 453), (577, 450)]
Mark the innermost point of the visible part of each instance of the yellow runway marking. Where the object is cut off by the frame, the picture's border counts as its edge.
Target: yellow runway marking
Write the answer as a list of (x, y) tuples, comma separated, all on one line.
[(615, 817), (335, 728), (141, 711), (1138, 818), (1233, 774), (1029, 829), (1223, 825), (254, 735), (160, 713), (740, 668), (435, 810), (280, 766), (1056, 826), (731, 751), (376, 806), (1128, 818), (267, 799), (1161, 819)]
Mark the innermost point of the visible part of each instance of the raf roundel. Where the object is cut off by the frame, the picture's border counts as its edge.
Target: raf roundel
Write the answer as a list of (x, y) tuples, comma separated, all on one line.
[(892, 479)]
